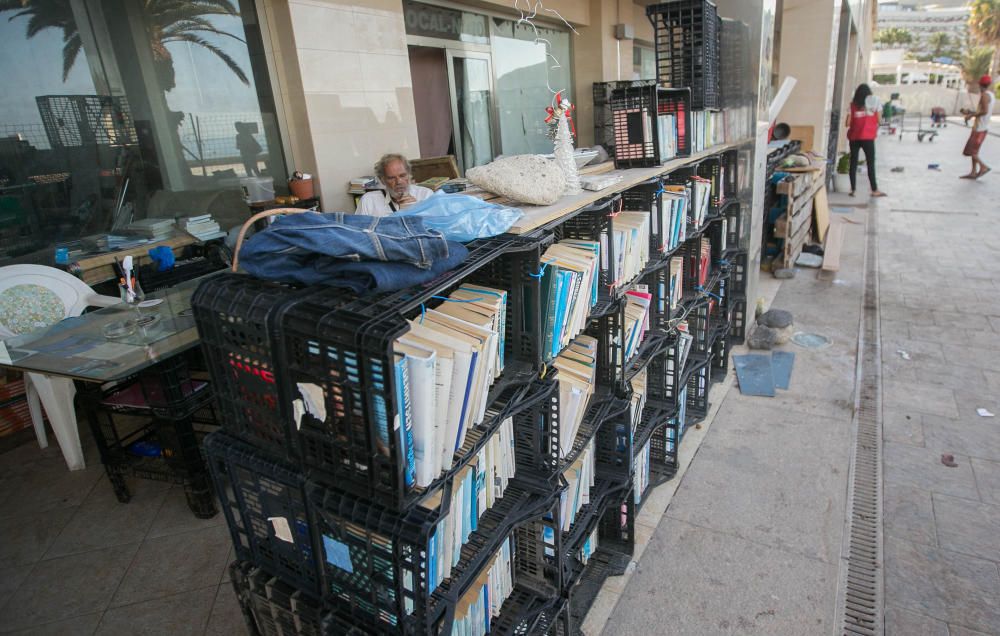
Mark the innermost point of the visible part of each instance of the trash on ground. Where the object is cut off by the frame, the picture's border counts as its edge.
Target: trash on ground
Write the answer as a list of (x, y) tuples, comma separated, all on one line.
[(934, 166), (949, 460), (811, 340), (983, 412), (902, 354), (897, 169), (806, 259)]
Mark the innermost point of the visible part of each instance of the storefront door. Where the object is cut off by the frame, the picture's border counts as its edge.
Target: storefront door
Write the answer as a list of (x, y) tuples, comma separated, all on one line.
[(471, 83)]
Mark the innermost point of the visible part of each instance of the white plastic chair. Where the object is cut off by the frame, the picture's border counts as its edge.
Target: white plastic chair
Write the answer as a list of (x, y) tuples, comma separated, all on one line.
[(54, 394)]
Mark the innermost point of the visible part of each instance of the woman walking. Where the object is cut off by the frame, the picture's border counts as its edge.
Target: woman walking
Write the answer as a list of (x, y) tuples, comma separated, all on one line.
[(862, 128)]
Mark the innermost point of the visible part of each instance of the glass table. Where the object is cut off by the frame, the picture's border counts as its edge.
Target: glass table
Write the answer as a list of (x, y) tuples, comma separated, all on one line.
[(141, 352)]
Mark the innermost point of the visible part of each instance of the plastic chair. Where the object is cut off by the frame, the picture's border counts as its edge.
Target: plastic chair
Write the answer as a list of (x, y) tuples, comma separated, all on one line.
[(54, 394)]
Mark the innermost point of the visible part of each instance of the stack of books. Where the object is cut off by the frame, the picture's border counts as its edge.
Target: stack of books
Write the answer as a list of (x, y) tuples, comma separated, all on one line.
[(580, 477), (444, 367), (631, 246), (361, 185), (668, 140), (576, 365), (476, 610), (589, 547), (202, 227), (152, 229), (636, 321), (568, 291), (669, 222), (475, 490)]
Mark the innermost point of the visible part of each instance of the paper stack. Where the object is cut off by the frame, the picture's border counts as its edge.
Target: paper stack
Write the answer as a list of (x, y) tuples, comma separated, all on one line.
[(360, 185), (446, 364), (152, 229), (202, 227)]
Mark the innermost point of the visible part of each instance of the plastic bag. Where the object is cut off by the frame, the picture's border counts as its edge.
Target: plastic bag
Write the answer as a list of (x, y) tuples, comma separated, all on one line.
[(463, 218)]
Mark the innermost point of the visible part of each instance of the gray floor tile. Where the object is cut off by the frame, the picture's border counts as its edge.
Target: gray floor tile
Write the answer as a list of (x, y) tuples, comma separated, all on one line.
[(946, 585), (915, 396), (900, 622), (49, 486), (957, 630), (969, 527), (922, 468), (975, 436), (772, 476), (970, 356), (103, 521), (902, 427), (25, 539), (174, 516), (988, 479), (742, 588), (11, 579), (175, 563), (66, 587), (77, 626), (227, 617), (184, 614), (909, 514)]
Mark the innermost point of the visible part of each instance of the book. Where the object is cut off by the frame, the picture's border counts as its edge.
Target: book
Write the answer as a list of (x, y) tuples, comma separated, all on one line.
[(403, 421), (421, 363)]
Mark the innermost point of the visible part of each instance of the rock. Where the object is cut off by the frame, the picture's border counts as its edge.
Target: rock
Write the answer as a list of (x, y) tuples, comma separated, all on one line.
[(784, 336), (762, 337), (806, 259), (785, 274), (524, 178), (776, 318)]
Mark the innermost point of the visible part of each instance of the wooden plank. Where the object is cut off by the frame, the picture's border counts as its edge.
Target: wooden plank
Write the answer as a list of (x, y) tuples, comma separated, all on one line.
[(821, 209), (423, 169), (805, 134), (538, 216), (97, 269), (598, 168), (831, 253)]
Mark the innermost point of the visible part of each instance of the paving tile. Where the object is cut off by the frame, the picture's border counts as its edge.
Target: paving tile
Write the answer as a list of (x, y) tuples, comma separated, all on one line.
[(914, 396), (900, 622), (174, 516), (77, 626), (908, 513), (957, 630), (226, 617), (922, 468), (969, 527), (963, 320), (179, 615), (974, 436), (946, 585), (103, 521), (952, 376), (47, 486), (697, 581), (902, 427), (988, 479), (970, 356), (175, 563), (25, 539), (11, 579), (66, 587)]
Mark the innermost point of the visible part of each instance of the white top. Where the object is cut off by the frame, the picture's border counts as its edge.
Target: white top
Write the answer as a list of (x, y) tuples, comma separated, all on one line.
[(983, 121), (379, 203)]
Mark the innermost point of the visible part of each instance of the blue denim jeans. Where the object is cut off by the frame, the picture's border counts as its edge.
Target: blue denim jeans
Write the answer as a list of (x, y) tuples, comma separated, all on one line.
[(350, 237)]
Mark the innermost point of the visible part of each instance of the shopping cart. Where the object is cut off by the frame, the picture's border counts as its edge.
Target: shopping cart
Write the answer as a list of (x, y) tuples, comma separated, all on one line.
[(914, 123)]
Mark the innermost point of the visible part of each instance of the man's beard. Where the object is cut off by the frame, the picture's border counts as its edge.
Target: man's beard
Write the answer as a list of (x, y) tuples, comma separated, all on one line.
[(400, 192)]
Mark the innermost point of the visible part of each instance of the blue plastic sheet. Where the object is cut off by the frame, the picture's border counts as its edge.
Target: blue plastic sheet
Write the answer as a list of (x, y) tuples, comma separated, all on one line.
[(463, 218)]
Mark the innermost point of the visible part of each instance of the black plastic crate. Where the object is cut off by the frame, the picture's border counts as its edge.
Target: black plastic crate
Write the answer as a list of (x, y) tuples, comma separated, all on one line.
[(686, 34), (635, 121), (715, 171), (265, 507), (677, 102), (239, 319), (195, 261), (738, 264), (734, 51), (720, 354), (666, 431), (274, 608), (346, 349), (698, 386), (665, 375), (738, 324), (700, 328), (604, 128), (647, 197), (590, 224)]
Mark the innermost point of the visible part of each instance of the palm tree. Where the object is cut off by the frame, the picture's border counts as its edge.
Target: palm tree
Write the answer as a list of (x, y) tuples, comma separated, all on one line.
[(975, 64), (939, 42), (894, 36), (984, 22), (166, 21)]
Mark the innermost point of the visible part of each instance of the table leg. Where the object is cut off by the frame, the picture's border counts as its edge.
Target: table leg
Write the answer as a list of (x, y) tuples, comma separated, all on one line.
[(89, 395), (180, 447)]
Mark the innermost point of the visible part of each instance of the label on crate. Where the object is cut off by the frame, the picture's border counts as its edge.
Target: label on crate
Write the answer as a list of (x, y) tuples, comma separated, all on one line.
[(281, 529), (337, 554), (313, 399)]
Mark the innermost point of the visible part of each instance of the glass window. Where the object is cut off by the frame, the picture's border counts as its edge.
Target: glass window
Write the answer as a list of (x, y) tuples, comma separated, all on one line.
[(643, 62), (525, 78), (119, 110)]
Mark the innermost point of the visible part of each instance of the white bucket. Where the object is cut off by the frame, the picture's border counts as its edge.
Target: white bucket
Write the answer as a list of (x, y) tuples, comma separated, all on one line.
[(257, 189)]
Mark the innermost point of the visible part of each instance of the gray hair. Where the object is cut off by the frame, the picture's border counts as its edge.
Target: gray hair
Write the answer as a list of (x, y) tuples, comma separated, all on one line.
[(386, 160)]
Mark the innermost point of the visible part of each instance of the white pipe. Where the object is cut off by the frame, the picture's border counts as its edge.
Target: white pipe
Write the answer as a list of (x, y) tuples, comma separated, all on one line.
[(780, 98)]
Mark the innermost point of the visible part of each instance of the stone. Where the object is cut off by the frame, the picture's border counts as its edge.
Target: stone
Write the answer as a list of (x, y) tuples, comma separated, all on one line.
[(762, 337), (776, 318), (525, 178), (786, 273), (783, 336)]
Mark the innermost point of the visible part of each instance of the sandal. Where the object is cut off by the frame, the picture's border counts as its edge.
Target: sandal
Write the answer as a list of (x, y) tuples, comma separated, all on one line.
[(968, 176), (878, 193), (982, 172)]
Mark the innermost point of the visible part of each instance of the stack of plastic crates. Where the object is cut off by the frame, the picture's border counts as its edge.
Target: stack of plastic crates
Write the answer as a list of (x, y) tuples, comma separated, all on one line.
[(686, 35), (604, 128), (635, 118)]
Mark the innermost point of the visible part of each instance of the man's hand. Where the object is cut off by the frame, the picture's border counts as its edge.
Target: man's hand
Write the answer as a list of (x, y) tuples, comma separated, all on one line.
[(405, 200)]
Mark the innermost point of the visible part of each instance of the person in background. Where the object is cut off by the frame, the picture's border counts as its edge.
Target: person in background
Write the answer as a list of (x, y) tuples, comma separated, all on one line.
[(983, 113), (393, 171), (862, 129), (248, 147)]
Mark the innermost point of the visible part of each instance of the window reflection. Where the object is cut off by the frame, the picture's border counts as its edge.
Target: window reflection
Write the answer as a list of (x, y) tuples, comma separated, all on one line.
[(118, 110)]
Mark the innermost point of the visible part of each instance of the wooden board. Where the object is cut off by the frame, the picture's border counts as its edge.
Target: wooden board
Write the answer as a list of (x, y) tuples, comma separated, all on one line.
[(831, 253), (805, 134), (423, 169), (97, 269), (539, 216), (821, 210)]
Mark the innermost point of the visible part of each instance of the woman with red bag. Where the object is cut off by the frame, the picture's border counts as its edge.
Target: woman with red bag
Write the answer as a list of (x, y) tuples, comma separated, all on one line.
[(862, 129)]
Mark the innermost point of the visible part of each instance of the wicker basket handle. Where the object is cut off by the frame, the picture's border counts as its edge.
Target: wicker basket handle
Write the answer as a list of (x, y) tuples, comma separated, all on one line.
[(253, 219)]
